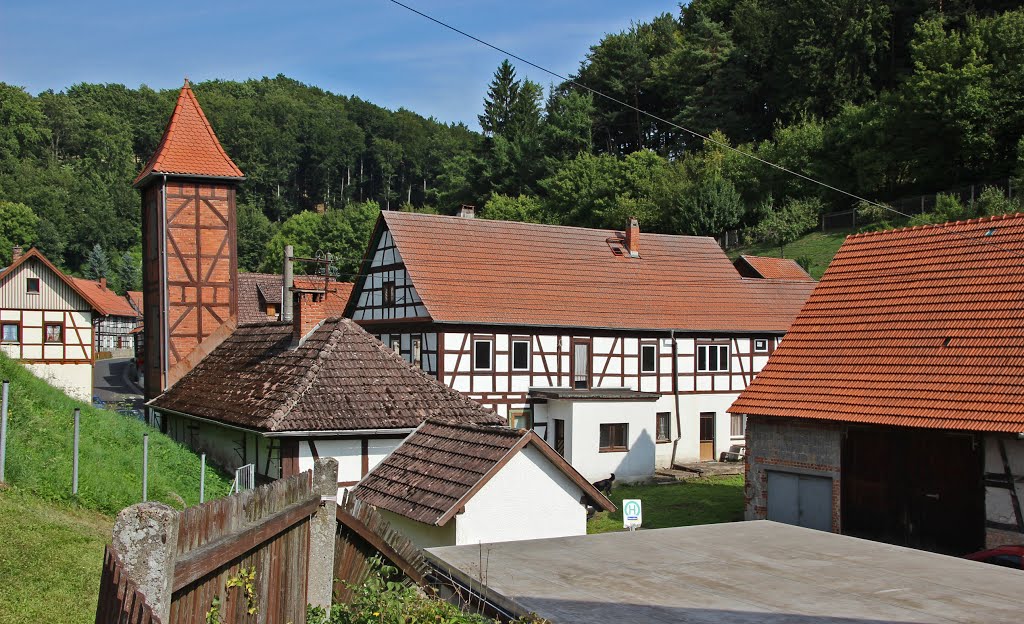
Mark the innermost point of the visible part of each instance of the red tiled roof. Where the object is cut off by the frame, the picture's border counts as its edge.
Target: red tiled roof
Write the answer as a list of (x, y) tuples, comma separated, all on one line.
[(438, 469), (89, 294), (255, 290), (189, 145), (106, 301), (339, 379), (765, 267), (919, 327), (501, 272), (135, 299)]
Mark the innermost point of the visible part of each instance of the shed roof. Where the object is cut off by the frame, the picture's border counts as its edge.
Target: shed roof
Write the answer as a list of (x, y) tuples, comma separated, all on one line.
[(189, 146), (438, 469), (339, 379), (765, 267), (502, 272), (917, 327)]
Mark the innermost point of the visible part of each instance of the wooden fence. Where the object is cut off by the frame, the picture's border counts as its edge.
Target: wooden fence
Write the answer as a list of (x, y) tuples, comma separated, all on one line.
[(290, 535)]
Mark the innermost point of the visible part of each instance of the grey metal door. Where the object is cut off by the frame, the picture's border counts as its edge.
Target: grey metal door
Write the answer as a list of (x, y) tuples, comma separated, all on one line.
[(800, 500)]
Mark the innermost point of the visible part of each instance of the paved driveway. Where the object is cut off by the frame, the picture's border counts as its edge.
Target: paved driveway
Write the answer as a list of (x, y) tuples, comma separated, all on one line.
[(111, 382)]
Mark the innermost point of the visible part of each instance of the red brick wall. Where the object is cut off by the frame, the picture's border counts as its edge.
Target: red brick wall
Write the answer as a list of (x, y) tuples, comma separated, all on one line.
[(308, 311)]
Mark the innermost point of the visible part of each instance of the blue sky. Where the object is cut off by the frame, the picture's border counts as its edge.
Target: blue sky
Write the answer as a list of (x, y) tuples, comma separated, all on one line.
[(369, 48)]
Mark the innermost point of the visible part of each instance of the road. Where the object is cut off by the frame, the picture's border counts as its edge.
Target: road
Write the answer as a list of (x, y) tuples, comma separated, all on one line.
[(111, 383)]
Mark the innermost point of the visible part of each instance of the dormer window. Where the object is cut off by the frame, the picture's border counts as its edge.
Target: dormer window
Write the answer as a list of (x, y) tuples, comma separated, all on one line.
[(32, 285)]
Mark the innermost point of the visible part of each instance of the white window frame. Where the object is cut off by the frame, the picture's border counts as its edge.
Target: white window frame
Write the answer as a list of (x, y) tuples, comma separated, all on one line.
[(707, 360), (529, 355), (648, 345), (760, 341), (417, 351), (39, 285), (743, 426), (396, 344), (17, 327), (490, 354)]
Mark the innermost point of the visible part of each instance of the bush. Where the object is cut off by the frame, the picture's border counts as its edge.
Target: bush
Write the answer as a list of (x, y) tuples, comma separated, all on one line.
[(993, 201)]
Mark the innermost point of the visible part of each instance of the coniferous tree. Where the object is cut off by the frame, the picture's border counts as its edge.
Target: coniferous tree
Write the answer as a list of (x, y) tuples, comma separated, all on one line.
[(97, 264)]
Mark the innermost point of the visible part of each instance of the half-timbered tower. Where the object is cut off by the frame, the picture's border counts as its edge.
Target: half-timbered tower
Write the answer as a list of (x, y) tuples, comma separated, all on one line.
[(190, 266), (623, 353), (46, 322)]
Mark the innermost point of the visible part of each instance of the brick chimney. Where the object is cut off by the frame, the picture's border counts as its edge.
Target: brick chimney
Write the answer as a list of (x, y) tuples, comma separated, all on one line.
[(633, 238), (15, 253), (467, 212), (103, 283), (308, 313)]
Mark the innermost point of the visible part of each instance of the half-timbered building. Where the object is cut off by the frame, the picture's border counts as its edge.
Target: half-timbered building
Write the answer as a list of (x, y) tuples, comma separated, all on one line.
[(115, 319), (46, 322), (622, 354), (894, 409)]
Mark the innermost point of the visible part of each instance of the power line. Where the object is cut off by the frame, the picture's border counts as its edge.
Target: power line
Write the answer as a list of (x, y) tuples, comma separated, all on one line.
[(673, 124)]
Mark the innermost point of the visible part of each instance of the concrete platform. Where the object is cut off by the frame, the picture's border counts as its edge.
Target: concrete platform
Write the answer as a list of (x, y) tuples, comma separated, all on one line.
[(742, 572)]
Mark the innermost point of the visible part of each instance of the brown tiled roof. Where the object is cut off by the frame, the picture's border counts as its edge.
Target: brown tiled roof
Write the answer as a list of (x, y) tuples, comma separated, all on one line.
[(339, 379), (439, 468), (501, 272), (919, 327), (189, 146), (106, 301), (255, 290), (765, 267)]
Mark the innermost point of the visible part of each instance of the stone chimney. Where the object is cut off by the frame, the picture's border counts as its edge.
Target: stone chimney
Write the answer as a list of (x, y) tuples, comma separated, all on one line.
[(633, 238), (15, 253), (467, 212), (308, 313)]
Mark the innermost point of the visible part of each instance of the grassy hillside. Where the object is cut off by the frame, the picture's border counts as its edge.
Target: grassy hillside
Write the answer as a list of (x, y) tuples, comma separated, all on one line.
[(817, 247), (51, 543)]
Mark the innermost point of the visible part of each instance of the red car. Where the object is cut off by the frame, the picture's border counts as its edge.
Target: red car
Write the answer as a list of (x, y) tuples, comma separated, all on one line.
[(1006, 556)]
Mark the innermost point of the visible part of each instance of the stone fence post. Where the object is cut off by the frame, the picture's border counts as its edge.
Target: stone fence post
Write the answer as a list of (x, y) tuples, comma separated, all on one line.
[(322, 529), (146, 540)]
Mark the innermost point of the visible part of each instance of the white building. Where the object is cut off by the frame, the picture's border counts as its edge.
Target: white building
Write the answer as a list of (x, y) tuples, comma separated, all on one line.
[(115, 319), (452, 484), (623, 356), (46, 323), (279, 395)]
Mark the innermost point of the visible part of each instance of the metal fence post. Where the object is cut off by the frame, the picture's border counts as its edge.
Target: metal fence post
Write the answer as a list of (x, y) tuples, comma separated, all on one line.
[(74, 464), (202, 478), (145, 467), (3, 430)]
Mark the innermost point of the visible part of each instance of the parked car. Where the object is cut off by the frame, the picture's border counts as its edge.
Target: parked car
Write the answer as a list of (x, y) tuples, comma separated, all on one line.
[(736, 453), (1007, 556)]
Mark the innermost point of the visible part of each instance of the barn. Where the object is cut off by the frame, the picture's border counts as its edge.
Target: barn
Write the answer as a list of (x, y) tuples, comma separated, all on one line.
[(894, 408)]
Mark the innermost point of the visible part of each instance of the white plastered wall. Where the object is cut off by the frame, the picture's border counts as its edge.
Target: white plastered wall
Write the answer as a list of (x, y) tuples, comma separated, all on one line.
[(998, 502), (74, 379), (349, 454), (423, 535), (583, 438), (529, 498)]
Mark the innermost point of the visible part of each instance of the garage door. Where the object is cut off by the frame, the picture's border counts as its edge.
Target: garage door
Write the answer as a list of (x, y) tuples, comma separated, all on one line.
[(801, 500)]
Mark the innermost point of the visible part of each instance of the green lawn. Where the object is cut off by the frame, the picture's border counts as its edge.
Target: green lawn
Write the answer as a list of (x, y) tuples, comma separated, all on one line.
[(818, 247), (51, 543), (699, 501)]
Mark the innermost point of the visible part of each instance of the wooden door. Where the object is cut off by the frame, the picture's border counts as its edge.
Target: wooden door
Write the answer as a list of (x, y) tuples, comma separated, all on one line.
[(707, 436), (581, 365), (560, 436)]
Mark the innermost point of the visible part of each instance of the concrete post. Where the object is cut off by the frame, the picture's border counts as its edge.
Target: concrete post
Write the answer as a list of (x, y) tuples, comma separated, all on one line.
[(3, 430), (202, 478), (322, 527), (74, 451), (146, 540)]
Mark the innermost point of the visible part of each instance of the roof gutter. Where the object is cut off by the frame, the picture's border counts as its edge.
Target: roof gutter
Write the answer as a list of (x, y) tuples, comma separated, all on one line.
[(287, 434), (668, 330)]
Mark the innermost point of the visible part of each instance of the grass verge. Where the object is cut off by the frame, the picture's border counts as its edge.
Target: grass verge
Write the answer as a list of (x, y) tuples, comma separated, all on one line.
[(698, 501), (818, 247)]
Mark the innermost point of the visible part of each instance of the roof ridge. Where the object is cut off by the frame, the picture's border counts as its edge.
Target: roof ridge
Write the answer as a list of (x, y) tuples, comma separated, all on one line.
[(503, 429), (934, 226), (311, 374)]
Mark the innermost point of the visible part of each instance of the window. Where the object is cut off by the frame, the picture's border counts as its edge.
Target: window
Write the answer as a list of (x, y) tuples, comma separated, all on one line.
[(54, 332), (712, 358), (387, 293), (648, 358), (521, 418), (760, 345), (482, 354), (738, 426), (520, 355), (11, 332), (396, 344), (613, 437), (32, 285), (664, 426), (417, 350)]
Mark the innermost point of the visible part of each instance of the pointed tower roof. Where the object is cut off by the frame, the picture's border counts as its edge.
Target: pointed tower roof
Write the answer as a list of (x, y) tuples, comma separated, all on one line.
[(189, 146)]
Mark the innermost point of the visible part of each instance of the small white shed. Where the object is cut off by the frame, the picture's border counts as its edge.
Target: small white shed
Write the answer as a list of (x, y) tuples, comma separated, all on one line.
[(451, 484)]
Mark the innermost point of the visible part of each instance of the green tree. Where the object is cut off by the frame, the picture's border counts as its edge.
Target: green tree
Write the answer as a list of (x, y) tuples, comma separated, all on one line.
[(97, 264), (18, 226), (993, 201), (783, 225), (129, 270), (254, 232), (500, 101), (524, 208), (302, 231), (709, 207)]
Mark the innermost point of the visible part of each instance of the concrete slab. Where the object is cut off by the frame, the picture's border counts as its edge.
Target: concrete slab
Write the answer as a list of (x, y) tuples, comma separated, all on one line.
[(741, 572)]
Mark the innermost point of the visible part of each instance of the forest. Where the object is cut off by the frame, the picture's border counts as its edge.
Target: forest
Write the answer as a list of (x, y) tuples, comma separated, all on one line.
[(880, 98)]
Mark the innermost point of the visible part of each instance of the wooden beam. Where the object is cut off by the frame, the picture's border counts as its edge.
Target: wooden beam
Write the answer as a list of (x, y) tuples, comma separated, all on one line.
[(197, 563), (363, 531)]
